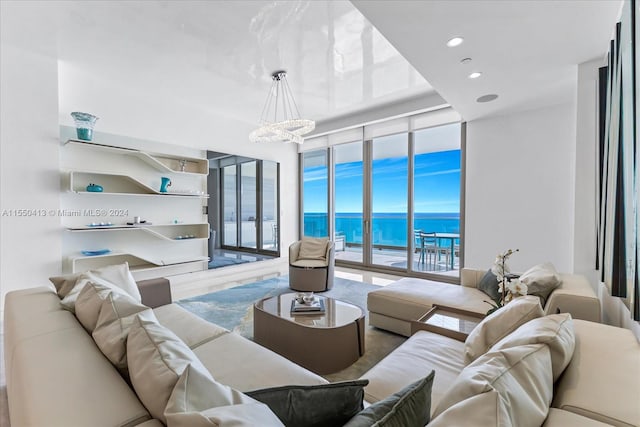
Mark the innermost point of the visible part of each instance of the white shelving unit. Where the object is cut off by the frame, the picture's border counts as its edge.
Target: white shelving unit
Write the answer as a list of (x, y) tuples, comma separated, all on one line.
[(174, 239), (160, 162)]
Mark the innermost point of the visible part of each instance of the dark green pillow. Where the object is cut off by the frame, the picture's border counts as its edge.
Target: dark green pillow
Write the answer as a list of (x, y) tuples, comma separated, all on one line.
[(489, 285), (322, 405), (409, 407)]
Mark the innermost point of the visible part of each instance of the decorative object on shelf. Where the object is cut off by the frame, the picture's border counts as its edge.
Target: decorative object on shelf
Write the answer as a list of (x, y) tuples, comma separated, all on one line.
[(186, 236), (284, 124), (101, 224), (84, 125), (96, 252), (94, 188), (183, 165), (509, 286), (166, 182)]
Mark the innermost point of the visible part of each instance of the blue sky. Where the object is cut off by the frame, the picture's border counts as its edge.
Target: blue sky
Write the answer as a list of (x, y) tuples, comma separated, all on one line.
[(437, 185)]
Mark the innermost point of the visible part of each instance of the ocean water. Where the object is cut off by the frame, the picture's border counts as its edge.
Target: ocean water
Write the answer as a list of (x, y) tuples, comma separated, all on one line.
[(389, 229)]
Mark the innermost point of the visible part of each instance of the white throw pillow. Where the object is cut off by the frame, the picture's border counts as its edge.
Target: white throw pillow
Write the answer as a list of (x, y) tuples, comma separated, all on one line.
[(198, 400), (555, 331), (313, 248), (499, 324), (115, 276), (156, 358), (88, 303), (518, 381), (115, 318), (541, 280)]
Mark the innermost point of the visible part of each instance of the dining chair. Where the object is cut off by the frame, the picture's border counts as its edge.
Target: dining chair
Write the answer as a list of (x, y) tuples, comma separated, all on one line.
[(430, 247)]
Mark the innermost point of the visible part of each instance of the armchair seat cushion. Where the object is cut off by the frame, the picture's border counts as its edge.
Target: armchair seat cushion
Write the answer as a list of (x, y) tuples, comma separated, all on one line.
[(309, 263)]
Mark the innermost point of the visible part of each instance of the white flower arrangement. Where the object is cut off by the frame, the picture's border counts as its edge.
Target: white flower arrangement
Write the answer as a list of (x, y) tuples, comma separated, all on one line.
[(508, 287)]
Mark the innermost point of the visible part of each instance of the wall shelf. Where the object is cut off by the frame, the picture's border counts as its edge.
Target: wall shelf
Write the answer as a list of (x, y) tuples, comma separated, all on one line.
[(171, 232), (116, 184), (81, 262), (160, 162)]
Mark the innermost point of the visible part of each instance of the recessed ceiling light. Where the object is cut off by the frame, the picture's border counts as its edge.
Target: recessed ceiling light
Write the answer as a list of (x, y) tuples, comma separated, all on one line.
[(465, 61), (456, 41), (487, 98), (475, 75)]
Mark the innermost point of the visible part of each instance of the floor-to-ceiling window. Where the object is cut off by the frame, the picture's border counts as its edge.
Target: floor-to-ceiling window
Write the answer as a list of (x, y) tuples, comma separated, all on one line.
[(436, 199), (315, 184), (250, 205), (348, 202), (391, 200)]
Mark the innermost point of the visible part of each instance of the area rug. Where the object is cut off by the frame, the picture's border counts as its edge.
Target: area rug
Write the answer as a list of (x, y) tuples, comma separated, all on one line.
[(233, 309)]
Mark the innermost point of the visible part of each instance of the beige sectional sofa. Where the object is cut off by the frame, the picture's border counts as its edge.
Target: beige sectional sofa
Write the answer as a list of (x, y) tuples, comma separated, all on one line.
[(57, 376), (599, 386), (396, 305)]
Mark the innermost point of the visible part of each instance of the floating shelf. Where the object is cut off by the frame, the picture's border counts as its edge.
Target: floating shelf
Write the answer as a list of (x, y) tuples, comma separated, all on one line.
[(161, 162), (118, 185), (81, 263), (171, 232)]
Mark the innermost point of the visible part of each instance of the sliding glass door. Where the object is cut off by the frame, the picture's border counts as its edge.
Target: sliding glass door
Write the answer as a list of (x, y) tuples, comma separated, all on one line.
[(348, 202), (389, 201), (250, 205)]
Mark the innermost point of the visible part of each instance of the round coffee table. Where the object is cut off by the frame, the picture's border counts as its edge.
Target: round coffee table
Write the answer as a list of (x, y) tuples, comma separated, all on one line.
[(323, 343)]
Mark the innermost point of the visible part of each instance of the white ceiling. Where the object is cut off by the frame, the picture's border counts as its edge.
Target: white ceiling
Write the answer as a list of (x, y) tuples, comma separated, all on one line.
[(219, 55), (526, 50)]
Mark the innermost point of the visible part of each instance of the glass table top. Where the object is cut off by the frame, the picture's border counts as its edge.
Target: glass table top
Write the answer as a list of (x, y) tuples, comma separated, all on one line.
[(337, 313)]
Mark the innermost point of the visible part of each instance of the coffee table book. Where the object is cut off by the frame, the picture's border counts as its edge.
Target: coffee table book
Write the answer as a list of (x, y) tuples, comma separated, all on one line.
[(315, 307)]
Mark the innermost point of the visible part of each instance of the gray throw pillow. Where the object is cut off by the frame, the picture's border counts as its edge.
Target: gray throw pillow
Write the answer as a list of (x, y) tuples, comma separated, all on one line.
[(489, 285), (315, 405), (409, 407), (541, 280)]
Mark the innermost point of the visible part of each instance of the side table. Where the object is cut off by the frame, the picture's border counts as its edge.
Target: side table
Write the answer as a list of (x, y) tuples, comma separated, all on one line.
[(448, 321)]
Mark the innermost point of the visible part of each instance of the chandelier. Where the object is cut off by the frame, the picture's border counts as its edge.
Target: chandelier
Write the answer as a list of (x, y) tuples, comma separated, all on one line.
[(280, 119)]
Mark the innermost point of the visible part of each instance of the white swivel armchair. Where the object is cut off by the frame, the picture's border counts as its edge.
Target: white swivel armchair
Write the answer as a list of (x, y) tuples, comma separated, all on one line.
[(311, 264)]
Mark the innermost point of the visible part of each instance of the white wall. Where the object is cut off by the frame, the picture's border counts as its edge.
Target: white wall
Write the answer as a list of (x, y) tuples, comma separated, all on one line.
[(519, 188), (38, 92), (29, 144)]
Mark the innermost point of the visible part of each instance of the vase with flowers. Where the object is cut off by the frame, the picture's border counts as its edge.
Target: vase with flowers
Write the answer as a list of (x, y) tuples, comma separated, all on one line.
[(509, 286)]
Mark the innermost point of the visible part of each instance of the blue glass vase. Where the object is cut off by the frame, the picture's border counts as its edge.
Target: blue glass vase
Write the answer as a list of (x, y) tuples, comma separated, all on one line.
[(166, 182), (84, 125)]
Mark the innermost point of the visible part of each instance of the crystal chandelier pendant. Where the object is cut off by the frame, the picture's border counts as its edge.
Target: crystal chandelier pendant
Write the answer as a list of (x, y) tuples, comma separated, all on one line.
[(280, 120)]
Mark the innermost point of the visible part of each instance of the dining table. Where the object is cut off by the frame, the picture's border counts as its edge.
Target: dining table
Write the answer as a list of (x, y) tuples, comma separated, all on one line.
[(451, 237)]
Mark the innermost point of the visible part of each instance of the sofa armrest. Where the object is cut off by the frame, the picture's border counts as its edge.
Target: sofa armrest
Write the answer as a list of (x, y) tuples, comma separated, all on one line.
[(575, 296), (155, 292), (470, 277)]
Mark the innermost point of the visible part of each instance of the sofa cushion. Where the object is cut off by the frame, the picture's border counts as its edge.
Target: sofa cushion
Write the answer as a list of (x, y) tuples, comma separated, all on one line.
[(309, 263), (88, 303), (499, 324), (601, 382), (119, 277), (556, 331), (313, 248), (156, 359), (541, 280), (231, 359), (314, 405), (191, 329), (114, 323), (411, 406), (521, 376), (489, 285), (416, 357), (117, 274), (410, 298), (199, 400)]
